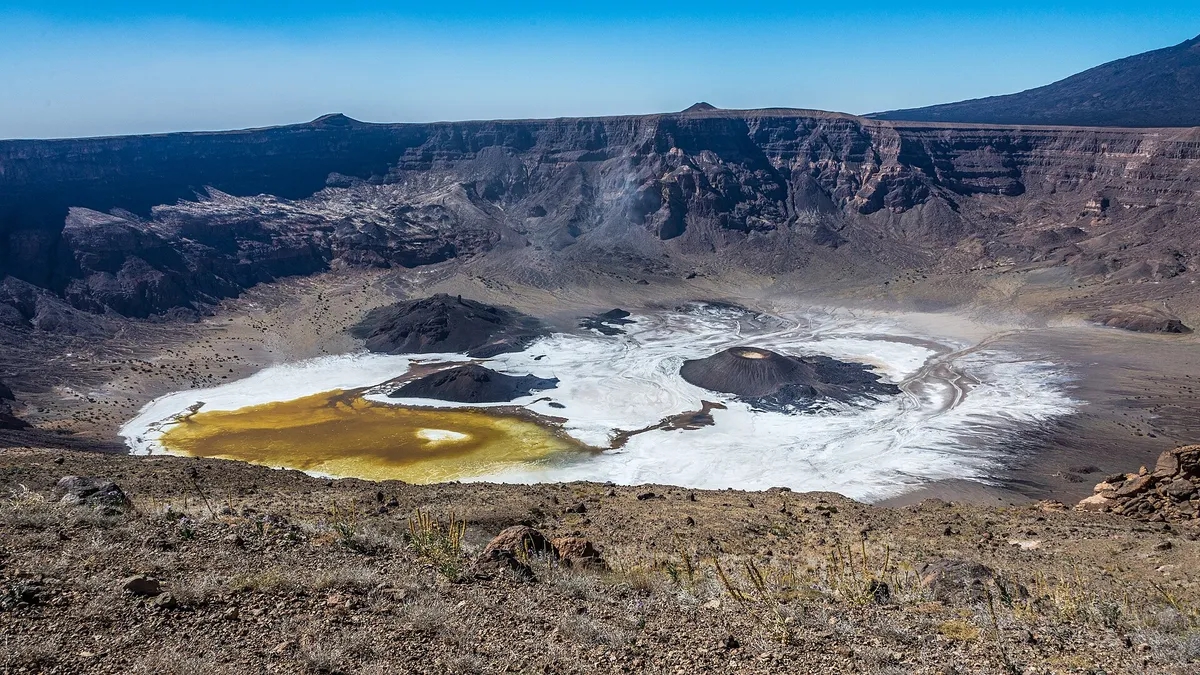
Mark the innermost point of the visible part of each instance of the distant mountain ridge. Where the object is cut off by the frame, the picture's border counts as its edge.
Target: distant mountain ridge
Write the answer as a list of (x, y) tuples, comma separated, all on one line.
[(1160, 88)]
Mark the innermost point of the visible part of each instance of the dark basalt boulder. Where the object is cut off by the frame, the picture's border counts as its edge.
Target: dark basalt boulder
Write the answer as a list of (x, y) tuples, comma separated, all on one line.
[(444, 323), (771, 381), (473, 384)]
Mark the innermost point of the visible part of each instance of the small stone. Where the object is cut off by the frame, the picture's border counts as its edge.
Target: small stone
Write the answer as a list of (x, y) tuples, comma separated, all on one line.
[(1163, 546), (165, 601), (577, 508), (141, 585), (643, 496), (230, 614), (729, 643), (715, 603)]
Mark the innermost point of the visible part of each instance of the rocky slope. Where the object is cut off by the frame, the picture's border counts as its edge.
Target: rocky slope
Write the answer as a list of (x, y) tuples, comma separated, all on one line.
[(201, 566), (146, 225), (1160, 88)]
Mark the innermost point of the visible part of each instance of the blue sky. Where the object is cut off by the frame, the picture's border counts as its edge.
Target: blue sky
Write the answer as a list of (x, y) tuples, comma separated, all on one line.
[(98, 68)]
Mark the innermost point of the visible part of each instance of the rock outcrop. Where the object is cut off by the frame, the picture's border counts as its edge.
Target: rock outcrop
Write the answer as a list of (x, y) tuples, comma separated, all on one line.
[(7, 419), (473, 384), (444, 324), (98, 493), (1143, 322), (772, 381), (1169, 492)]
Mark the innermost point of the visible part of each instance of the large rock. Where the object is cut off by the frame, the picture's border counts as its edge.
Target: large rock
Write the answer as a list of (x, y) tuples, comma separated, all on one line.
[(473, 384), (442, 323), (87, 491), (521, 541), (578, 552), (957, 581)]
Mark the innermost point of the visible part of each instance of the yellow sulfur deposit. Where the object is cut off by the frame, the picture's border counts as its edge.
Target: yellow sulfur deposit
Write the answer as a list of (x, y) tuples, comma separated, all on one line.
[(341, 434)]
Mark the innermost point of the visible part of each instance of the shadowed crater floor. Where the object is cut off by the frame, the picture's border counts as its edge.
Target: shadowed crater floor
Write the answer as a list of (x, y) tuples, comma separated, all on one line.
[(777, 382)]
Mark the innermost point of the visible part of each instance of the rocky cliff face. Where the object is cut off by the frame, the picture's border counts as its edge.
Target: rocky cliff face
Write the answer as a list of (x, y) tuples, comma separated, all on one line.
[(143, 225)]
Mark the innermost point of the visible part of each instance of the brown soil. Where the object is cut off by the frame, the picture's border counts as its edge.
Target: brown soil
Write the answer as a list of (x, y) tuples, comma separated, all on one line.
[(274, 571)]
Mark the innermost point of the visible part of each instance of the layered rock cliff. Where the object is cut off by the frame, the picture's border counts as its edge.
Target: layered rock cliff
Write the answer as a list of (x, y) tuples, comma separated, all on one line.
[(143, 225)]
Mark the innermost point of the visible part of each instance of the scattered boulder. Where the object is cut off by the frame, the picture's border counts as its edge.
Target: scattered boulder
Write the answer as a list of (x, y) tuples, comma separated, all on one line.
[(1167, 493), (99, 493), (442, 323), (20, 594), (473, 384), (578, 552), (520, 541), (496, 560), (165, 601), (141, 584), (958, 581)]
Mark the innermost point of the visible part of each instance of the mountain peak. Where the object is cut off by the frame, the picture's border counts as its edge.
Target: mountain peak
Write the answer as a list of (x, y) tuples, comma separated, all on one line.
[(334, 120), (1160, 88), (702, 106)]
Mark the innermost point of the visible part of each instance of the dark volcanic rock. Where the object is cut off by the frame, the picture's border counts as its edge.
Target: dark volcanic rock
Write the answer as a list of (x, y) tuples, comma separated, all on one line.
[(1142, 322), (7, 419), (88, 491), (608, 323), (473, 384), (442, 323), (772, 381), (1160, 88)]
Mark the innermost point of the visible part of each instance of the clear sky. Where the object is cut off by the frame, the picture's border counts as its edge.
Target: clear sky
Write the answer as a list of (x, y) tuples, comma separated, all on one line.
[(81, 68)]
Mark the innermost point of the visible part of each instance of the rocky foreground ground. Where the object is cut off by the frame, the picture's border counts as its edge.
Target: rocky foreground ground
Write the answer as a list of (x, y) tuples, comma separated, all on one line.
[(203, 566)]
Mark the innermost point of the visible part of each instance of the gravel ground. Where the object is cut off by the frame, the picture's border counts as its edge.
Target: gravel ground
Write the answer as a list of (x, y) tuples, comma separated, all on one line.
[(246, 569)]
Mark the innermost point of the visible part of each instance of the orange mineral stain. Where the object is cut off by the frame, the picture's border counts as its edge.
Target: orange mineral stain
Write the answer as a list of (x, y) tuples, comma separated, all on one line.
[(341, 434)]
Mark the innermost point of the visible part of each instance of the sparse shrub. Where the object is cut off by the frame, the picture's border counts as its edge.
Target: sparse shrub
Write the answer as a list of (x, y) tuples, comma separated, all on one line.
[(352, 579), (271, 580), (959, 630), (171, 662), (438, 543)]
